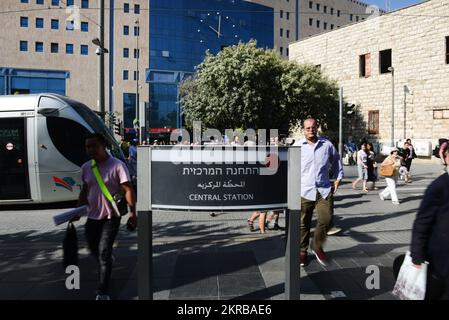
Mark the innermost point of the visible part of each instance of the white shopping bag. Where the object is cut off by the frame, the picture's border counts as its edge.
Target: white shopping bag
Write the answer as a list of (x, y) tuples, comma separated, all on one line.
[(411, 282)]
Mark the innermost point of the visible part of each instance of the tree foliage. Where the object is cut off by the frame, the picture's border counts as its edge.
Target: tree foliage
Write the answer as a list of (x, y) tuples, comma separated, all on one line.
[(248, 87)]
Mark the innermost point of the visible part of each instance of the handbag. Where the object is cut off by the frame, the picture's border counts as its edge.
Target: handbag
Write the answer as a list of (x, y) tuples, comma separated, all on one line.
[(387, 171), (70, 246), (118, 201), (411, 282)]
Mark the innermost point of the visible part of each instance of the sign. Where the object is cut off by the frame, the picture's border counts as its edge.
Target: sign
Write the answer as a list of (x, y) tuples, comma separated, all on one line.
[(218, 178)]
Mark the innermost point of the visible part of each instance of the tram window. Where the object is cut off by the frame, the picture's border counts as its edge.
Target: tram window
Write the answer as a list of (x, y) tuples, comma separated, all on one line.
[(68, 137)]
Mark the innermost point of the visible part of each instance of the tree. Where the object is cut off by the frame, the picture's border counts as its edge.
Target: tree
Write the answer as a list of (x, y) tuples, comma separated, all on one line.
[(248, 87)]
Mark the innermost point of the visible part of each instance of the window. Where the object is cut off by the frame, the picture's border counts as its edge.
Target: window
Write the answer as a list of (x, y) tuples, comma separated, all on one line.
[(54, 47), (70, 25), (351, 17), (447, 50), (325, 9), (39, 1), (23, 47), (137, 8), (136, 31), (125, 30), (136, 75), (84, 27), (310, 4), (62, 130), (69, 3), (338, 13), (385, 61), (310, 22), (282, 14), (357, 18), (84, 50), (281, 50), (441, 114), (125, 74), (332, 27), (23, 1), (288, 33), (85, 4), (69, 48), (126, 7), (317, 7), (318, 23), (332, 11), (373, 122), (287, 52), (125, 53), (55, 2), (24, 22), (136, 53), (55, 24), (281, 32), (39, 47), (325, 25), (39, 23), (288, 15), (365, 65)]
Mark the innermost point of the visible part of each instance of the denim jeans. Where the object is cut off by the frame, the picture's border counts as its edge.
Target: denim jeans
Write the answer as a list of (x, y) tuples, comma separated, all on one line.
[(100, 236)]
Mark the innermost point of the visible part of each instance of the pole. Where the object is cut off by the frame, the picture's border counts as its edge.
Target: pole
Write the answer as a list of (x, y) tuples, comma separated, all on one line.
[(392, 106), (101, 64), (292, 275), (405, 112), (137, 79), (340, 125)]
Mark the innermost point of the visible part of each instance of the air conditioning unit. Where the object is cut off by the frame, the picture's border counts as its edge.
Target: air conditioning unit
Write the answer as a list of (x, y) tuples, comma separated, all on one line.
[(166, 54)]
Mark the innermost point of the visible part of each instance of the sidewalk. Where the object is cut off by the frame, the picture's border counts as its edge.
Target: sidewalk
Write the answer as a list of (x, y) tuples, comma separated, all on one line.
[(197, 256)]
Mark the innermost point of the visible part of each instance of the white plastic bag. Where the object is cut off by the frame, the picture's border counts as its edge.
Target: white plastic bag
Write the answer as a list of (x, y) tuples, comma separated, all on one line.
[(411, 282)]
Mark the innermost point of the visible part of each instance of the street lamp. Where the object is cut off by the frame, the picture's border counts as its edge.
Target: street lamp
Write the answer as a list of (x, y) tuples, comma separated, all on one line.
[(391, 69), (101, 50), (406, 90), (137, 31)]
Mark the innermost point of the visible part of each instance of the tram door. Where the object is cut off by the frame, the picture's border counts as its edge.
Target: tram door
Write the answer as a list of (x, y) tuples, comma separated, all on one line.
[(14, 180)]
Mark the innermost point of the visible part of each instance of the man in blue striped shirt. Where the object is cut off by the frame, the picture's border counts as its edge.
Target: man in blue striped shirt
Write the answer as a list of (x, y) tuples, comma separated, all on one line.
[(318, 158)]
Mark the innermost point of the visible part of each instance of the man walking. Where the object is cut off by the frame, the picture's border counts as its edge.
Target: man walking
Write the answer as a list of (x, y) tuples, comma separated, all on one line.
[(103, 221), (317, 156)]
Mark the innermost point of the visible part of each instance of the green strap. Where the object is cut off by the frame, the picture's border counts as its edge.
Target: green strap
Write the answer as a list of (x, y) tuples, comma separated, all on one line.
[(100, 181)]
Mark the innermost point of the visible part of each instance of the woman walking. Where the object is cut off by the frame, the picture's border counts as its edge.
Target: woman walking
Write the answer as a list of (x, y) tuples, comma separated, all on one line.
[(362, 167), (393, 160), (372, 165)]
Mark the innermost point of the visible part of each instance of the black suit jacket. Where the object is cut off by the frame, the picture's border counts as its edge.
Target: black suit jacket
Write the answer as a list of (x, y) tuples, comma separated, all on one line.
[(430, 238)]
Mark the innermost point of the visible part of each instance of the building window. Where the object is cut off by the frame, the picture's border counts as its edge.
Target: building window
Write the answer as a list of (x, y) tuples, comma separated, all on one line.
[(325, 9), (441, 114), (385, 61), (24, 22), (125, 74), (136, 75), (23, 47), (136, 53), (84, 27), (137, 8), (318, 23), (332, 11), (447, 50), (84, 50), (317, 7), (54, 47), (70, 25), (332, 27), (69, 3), (365, 65), (288, 33), (310, 4), (310, 22), (287, 52), (125, 30), (281, 33), (23, 1), (325, 25), (288, 15), (55, 2), (85, 4), (126, 7), (55, 24), (373, 122), (281, 50), (39, 23), (338, 13), (69, 48), (282, 14), (351, 17), (125, 53), (39, 47), (39, 1), (136, 31), (357, 18)]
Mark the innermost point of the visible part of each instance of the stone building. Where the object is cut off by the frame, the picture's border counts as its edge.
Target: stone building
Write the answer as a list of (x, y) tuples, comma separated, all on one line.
[(414, 41)]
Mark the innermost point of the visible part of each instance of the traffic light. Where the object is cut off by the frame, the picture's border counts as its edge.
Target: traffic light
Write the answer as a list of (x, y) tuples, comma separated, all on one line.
[(118, 128), (113, 119), (349, 108)]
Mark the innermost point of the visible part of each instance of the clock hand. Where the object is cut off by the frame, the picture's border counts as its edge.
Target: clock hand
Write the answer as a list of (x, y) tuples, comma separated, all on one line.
[(213, 29)]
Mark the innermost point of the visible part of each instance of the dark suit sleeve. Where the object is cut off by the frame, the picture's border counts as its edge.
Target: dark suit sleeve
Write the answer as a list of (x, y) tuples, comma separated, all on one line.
[(425, 219)]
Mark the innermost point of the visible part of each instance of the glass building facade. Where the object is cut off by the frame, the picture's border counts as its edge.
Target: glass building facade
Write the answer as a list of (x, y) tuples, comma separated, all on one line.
[(22, 81), (181, 31)]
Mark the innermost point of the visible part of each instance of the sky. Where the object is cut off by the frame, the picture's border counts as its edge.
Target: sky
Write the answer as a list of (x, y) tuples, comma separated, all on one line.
[(395, 4)]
